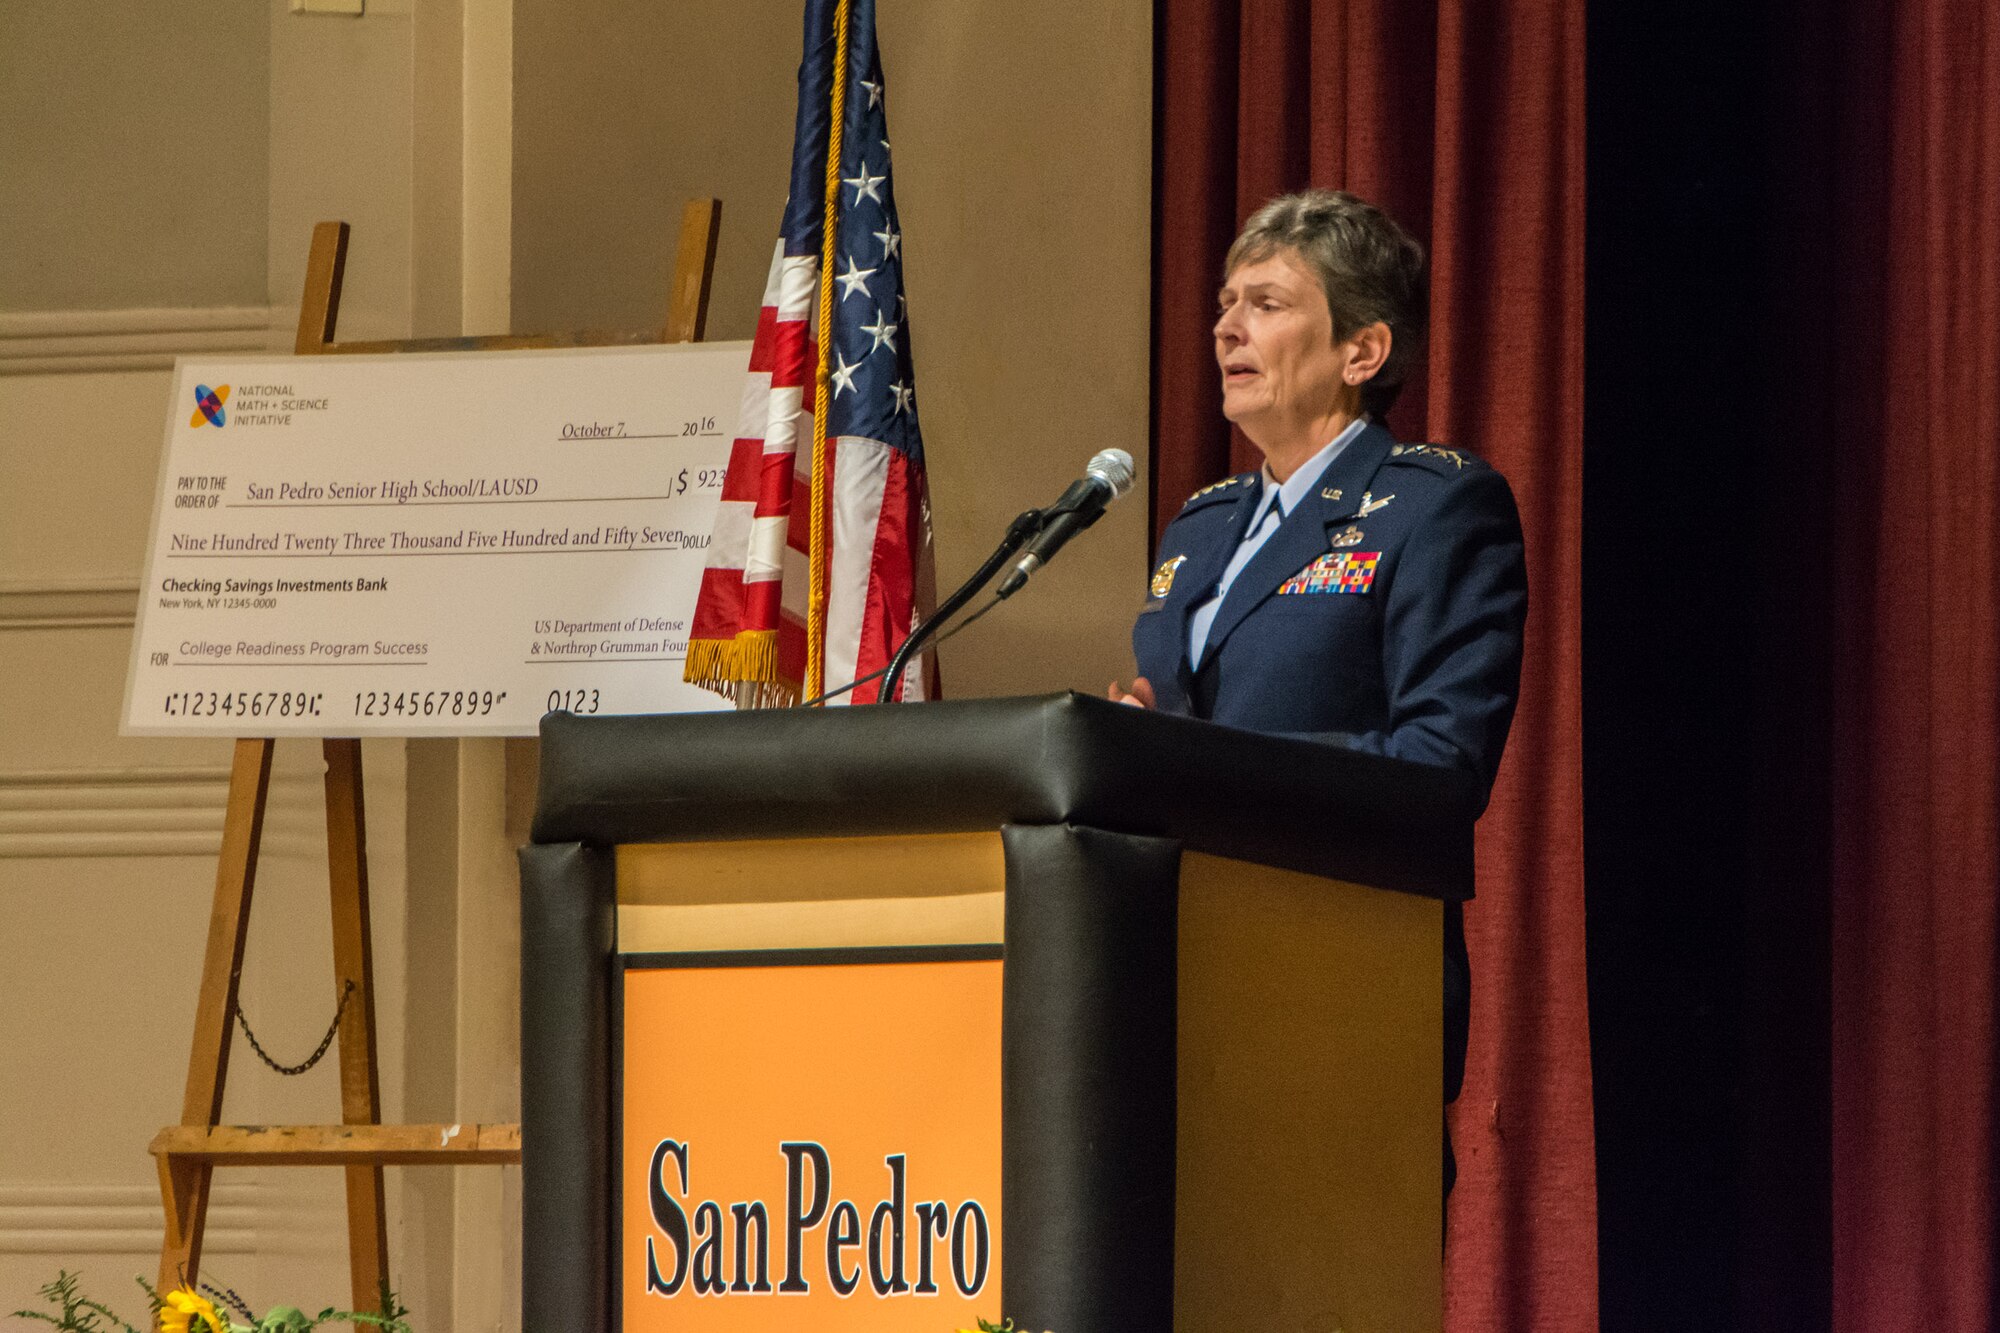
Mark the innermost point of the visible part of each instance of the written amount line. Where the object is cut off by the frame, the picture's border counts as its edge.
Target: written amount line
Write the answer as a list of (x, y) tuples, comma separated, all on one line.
[(406, 555)]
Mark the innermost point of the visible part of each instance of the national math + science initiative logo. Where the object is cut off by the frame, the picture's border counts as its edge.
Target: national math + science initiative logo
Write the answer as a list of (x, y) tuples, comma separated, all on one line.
[(208, 405)]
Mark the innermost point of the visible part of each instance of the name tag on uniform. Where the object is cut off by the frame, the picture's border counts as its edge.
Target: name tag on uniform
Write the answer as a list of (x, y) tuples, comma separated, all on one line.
[(1334, 572)]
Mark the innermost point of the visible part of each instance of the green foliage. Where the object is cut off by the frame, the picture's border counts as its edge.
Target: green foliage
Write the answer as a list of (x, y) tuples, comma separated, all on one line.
[(76, 1313)]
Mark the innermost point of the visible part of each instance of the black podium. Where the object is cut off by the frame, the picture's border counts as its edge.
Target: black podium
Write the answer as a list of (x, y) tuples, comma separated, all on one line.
[(1220, 982)]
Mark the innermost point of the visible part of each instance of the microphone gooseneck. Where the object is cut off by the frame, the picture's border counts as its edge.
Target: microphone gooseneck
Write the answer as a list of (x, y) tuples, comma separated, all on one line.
[(1024, 526), (1108, 476)]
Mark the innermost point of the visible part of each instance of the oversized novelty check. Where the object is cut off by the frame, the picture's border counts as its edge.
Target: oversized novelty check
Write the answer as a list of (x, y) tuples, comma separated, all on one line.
[(430, 544)]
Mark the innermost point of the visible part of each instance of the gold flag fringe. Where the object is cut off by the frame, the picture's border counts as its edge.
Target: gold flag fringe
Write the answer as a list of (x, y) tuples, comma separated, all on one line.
[(744, 669)]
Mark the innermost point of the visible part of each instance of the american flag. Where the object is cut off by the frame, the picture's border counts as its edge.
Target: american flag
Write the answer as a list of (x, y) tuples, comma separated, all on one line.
[(820, 562)]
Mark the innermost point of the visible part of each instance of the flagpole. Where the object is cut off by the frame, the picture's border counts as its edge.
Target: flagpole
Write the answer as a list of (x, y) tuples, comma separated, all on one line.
[(765, 615), (822, 451)]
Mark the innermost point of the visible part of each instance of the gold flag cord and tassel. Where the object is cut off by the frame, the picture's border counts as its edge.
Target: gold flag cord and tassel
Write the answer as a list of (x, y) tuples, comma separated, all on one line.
[(817, 535)]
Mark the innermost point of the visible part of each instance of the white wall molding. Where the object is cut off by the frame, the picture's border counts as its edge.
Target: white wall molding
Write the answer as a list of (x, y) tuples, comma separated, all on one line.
[(70, 604), (119, 1219), (141, 811), (112, 812), (41, 342)]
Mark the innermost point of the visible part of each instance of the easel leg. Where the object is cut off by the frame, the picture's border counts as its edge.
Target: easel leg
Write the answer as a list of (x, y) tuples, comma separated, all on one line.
[(353, 964), (184, 1196), (184, 1189)]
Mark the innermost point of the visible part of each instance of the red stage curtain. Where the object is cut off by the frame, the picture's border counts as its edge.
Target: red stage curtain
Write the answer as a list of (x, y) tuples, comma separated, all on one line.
[(1914, 369), (1466, 122)]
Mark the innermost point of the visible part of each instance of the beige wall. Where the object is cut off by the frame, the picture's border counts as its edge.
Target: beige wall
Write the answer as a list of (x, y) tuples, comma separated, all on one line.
[(132, 163), (342, 145), (133, 177), (176, 155), (1022, 139)]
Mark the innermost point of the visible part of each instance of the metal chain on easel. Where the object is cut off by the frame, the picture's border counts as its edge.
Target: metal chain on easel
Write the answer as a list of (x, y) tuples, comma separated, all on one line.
[(319, 1052)]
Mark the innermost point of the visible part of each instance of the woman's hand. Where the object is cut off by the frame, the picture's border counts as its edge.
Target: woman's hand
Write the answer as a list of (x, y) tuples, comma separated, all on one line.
[(1139, 696)]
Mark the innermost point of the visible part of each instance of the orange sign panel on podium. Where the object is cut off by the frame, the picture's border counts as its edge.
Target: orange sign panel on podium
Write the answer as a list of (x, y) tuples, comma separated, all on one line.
[(810, 1141)]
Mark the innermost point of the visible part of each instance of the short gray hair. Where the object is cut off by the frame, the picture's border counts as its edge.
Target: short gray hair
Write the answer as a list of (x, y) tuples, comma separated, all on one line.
[(1372, 269)]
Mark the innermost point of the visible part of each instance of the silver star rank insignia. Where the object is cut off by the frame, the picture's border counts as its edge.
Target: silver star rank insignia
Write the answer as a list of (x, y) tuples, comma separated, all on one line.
[(1214, 487), (1452, 456)]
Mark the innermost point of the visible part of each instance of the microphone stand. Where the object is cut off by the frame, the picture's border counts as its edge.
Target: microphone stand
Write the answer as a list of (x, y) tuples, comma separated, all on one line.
[(1019, 533)]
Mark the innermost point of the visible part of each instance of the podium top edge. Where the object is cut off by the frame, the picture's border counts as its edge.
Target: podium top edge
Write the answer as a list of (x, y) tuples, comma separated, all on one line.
[(967, 765)]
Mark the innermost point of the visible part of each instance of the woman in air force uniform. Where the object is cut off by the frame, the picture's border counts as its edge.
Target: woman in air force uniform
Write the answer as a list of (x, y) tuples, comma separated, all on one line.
[(1354, 589)]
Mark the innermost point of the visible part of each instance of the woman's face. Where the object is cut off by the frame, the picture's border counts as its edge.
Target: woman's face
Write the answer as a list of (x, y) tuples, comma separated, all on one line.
[(1282, 372)]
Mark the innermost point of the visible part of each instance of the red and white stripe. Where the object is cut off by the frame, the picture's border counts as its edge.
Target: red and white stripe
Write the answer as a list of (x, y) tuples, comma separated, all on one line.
[(758, 569)]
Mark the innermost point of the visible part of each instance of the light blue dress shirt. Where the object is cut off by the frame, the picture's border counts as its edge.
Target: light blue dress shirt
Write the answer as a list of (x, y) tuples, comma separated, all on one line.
[(1274, 506)]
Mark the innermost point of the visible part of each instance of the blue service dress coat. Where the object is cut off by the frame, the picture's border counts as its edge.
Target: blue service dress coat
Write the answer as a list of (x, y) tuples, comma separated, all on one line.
[(1386, 613)]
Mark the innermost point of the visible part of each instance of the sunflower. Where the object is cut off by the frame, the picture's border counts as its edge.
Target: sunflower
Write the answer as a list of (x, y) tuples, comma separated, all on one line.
[(179, 1309)]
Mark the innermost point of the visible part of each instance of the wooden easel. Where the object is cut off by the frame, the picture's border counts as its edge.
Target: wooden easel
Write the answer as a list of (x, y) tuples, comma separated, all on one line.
[(189, 1152)]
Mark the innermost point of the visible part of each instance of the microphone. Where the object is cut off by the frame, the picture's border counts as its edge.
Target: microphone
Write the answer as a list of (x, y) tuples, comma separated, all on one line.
[(1108, 477)]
